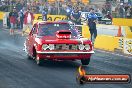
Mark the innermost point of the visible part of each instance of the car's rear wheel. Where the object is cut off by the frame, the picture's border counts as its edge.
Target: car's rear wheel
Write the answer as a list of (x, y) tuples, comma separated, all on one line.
[(85, 61)]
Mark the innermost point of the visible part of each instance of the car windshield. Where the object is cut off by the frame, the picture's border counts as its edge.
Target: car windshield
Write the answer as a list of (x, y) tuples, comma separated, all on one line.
[(51, 28)]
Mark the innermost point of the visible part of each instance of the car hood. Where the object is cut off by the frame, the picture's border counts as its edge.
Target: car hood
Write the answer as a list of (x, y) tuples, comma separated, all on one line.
[(54, 40)]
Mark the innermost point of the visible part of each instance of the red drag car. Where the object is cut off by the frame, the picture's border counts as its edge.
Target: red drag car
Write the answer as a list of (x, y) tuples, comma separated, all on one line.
[(57, 41)]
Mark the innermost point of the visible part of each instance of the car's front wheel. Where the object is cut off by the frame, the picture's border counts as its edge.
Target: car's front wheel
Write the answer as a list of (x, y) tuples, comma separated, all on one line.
[(85, 61), (39, 61)]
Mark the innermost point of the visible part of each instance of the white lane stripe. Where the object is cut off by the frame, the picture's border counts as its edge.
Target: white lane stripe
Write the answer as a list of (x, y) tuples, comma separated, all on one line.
[(113, 53)]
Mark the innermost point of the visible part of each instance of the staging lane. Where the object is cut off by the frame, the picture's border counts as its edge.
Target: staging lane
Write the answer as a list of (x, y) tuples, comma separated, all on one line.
[(18, 72)]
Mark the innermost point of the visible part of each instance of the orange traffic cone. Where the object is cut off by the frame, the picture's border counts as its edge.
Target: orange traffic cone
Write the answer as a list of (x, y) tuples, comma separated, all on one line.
[(119, 34)]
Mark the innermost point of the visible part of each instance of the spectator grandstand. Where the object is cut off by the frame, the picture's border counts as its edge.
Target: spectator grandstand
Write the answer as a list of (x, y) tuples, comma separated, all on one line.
[(118, 8)]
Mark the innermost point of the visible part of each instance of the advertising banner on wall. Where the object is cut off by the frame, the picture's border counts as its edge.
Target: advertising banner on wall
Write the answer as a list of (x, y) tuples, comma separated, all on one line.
[(128, 46), (50, 17)]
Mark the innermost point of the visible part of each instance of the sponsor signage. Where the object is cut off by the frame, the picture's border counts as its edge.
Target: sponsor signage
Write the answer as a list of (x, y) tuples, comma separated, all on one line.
[(128, 46), (51, 17), (84, 78)]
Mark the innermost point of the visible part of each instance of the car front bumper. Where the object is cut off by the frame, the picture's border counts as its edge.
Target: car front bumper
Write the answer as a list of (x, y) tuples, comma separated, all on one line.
[(40, 52), (64, 55)]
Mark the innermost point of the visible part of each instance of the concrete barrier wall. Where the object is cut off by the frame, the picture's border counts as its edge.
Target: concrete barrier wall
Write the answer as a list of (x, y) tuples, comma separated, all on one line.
[(1, 15), (122, 21), (128, 32), (105, 42), (85, 31)]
